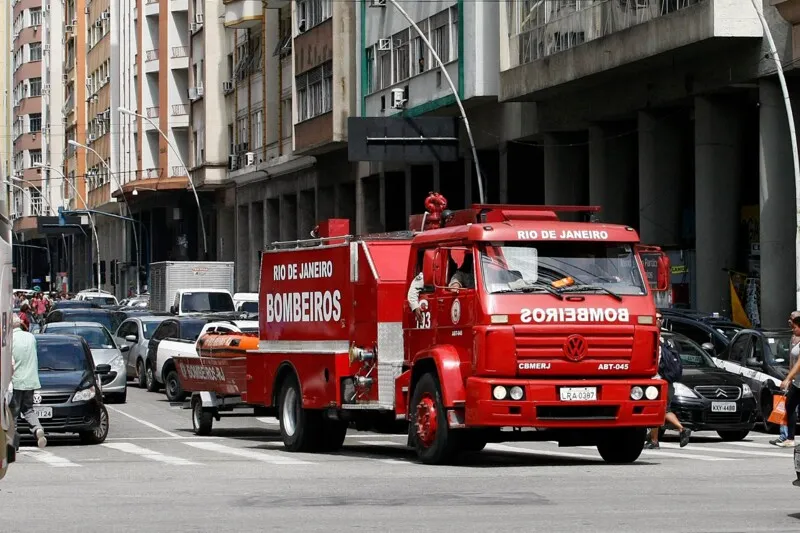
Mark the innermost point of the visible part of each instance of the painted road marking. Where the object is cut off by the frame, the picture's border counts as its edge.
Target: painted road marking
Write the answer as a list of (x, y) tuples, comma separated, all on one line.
[(264, 457), (152, 455), (270, 421), (48, 458), (143, 422), (728, 450), (531, 451)]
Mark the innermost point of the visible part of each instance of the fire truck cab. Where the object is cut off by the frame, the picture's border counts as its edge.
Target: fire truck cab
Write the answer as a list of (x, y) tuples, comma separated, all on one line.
[(491, 324)]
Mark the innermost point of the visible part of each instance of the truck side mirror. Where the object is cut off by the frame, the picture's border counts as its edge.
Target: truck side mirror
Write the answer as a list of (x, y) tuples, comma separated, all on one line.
[(664, 273), (173, 309)]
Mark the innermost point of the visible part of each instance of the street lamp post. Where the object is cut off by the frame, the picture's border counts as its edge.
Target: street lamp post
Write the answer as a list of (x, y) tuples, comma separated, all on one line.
[(86, 204), (133, 226), (126, 111), (34, 187)]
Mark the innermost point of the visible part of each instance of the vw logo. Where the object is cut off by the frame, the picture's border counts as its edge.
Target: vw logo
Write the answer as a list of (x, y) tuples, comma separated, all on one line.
[(37, 397), (575, 347), (721, 393)]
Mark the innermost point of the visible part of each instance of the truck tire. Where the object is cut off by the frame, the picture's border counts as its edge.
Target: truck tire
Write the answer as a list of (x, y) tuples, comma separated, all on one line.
[(733, 436), (301, 429), (432, 438), (622, 446), (202, 419), (333, 435)]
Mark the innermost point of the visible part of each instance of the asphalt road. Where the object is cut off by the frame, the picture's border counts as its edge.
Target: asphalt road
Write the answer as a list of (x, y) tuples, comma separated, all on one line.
[(154, 475)]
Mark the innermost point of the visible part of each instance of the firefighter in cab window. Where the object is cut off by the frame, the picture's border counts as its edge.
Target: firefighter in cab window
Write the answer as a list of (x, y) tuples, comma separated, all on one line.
[(464, 276)]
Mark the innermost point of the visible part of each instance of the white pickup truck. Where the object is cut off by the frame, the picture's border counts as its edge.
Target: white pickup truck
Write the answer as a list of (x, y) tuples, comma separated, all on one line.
[(178, 337)]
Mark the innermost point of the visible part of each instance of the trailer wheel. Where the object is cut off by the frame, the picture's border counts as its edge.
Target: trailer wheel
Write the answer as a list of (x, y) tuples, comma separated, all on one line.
[(432, 438), (202, 419), (172, 387), (301, 428), (622, 446)]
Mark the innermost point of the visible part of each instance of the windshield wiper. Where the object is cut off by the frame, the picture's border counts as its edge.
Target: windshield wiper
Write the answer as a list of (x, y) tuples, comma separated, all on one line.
[(581, 288), (528, 286)]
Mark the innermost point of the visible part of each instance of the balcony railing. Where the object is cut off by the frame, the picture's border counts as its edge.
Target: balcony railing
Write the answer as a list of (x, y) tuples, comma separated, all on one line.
[(179, 110), (178, 170), (180, 51), (152, 112), (541, 29), (151, 55)]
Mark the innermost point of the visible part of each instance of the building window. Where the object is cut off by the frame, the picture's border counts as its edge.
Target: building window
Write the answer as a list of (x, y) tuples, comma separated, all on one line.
[(36, 17), (258, 130), (286, 118), (453, 33), (19, 161), (440, 35), (36, 51), (35, 87), (312, 12), (242, 131), (384, 73), (315, 92), (401, 56), (36, 202), (36, 157), (199, 147), (35, 122)]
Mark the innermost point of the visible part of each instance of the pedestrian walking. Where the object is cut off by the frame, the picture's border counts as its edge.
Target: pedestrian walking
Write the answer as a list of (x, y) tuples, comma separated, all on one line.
[(792, 387), (794, 346), (25, 379), (670, 369)]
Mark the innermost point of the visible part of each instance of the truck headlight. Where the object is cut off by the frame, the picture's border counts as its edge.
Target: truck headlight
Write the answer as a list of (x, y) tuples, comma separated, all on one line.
[(637, 393), (747, 392), (682, 391), (499, 392), (84, 395), (117, 363)]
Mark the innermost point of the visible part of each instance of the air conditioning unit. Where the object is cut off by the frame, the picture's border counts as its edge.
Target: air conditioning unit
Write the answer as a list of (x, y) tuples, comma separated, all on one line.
[(198, 18), (199, 90), (193, 27), (233, 162), (227, 86), (384, 44), (249, 158), (398, 100), (86, 10), (47, 8), (377, 3), (88, 82), (65, 78), (105, 15), (91, 138), (195, 92), (98, 23), (74, 21), (47, 48), (69, 28), (107, 114), (107, 80)]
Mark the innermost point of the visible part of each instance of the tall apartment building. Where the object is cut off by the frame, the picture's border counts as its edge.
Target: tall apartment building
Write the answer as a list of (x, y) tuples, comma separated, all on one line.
[(36, 94), (290, 85)]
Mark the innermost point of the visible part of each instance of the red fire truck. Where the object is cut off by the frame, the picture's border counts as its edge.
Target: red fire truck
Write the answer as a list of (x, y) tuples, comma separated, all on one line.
[(489, 324)]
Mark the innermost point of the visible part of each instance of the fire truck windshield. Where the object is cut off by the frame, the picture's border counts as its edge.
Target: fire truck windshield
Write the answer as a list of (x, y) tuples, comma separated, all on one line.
[(569, 267)]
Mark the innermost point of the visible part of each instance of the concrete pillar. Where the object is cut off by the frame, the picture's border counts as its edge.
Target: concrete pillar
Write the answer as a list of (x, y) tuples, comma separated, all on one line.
[(777, 225), (469, 172), (660, 180), (407, 177), (242, 265), (613, 172), (566, 169), (256, 240), (718, 178), (503, 175)]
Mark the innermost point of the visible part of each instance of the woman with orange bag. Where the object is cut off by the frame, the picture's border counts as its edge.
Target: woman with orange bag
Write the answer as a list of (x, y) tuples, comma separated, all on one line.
[(792, 386)]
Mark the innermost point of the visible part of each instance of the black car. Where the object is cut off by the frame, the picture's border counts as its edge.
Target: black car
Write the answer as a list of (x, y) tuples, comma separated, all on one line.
[(110, 319), (68, 401), (701, 327), (761, 357), (707, 398), (74, 304)]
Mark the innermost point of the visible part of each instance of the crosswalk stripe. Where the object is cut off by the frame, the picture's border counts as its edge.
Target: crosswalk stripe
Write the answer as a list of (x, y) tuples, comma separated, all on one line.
[(127, 447), (681, 455), (531, 451), (729, 450), (270, 421), (264, 457), (759, 445), (382, 443), (48, 458)]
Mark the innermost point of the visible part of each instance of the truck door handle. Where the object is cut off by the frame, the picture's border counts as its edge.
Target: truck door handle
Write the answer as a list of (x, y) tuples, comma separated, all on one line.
[(440, 300)]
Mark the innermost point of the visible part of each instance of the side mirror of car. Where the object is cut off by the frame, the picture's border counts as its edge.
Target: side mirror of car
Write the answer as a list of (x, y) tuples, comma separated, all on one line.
[(753, 362), (709, 347), (124, 348), (173, 309), (102, 369), (131, 338)]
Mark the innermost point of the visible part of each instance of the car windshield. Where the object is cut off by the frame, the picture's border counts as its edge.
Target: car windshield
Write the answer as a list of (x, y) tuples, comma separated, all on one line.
[(100, 300), (692, 355), (105, 319), (96, 337), (207, 302), (603, 266), (249, 307), (148, 328), (61, 356), (780, 344), (191, 330)]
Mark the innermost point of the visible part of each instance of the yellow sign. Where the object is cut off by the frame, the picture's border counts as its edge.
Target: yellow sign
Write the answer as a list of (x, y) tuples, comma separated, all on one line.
[(679, 269)]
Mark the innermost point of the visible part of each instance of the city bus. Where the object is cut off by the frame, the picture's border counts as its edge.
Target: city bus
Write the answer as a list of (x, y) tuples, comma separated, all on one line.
[(7, 424)]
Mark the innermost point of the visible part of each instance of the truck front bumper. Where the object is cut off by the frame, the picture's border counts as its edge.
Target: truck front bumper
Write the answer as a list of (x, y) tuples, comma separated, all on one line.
[(541, 405)]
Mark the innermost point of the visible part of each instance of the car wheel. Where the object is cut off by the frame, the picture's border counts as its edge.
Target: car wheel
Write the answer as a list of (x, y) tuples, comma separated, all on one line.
[(173, 388), (732, 436), (118, 397), (99, 434), (141, 376), (150, 378)]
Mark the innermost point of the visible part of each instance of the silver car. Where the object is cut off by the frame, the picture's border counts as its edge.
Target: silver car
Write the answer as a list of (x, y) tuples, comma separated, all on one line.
[(135, 333), (104, 352)]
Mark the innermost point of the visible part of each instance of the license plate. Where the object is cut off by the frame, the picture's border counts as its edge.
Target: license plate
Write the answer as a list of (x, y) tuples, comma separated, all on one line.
[(43, 412), (578, 394), (723, 407)]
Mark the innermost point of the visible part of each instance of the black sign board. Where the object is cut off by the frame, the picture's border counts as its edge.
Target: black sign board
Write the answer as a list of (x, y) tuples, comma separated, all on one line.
[(409, 139), (650, 262), (51, 226)]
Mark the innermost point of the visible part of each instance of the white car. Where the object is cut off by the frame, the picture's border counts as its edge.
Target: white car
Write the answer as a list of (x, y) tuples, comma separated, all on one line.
[(178, 337), (97, 296)]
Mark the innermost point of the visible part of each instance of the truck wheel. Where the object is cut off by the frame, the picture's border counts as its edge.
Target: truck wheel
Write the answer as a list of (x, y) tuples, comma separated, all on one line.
[(622, 446), (172, 387), (333, 435), (202, 419), (150, 379), (301, 428), (432, 438), (733, 436)]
